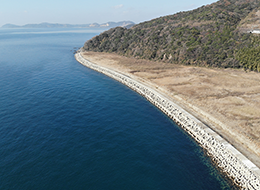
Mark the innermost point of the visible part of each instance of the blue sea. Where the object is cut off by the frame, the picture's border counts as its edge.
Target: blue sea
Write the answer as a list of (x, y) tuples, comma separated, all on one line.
[(64, 126)]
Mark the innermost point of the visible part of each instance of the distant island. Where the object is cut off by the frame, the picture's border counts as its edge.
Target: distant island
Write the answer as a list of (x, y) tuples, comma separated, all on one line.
[(107, 25)]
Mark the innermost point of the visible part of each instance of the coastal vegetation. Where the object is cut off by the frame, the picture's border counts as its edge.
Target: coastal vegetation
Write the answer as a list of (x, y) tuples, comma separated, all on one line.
[(210, 36)]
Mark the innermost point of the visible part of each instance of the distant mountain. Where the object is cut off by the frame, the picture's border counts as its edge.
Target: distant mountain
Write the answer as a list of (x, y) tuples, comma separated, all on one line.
[(10, 26), (126, 24), (215, 35)]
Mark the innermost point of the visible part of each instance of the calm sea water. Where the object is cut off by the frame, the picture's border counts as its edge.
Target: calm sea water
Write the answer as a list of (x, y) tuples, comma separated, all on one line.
[(64, 126)]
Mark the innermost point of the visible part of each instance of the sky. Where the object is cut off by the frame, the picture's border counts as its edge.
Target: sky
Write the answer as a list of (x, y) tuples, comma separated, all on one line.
[(21, 12)]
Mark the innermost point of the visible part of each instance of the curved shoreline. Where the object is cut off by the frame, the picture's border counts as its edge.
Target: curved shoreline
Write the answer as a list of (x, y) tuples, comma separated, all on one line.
[(237, 167)]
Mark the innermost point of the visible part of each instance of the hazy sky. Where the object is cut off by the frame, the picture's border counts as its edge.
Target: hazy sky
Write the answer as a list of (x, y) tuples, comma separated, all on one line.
[(22, 12)]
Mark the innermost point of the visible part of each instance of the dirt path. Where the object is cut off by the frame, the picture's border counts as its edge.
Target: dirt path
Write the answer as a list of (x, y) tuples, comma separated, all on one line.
[(227, 100)]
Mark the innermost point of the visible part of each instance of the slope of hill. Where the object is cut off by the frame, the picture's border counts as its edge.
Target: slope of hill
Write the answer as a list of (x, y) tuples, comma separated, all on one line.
[(125, 24), (251, 22), (208, 36)]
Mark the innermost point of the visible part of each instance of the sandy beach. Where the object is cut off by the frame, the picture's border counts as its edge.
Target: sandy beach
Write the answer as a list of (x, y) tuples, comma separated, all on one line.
[(226, 100)]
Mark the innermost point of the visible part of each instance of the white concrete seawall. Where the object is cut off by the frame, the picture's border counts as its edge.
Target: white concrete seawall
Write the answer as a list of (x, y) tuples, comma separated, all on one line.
[(235, 165)]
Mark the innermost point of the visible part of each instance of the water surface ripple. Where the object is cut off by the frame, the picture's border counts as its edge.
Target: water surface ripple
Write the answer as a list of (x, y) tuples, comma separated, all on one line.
[(64, 126)]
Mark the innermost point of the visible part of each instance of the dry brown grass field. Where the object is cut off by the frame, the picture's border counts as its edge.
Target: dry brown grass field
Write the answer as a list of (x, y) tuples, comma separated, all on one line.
[(227, 100)]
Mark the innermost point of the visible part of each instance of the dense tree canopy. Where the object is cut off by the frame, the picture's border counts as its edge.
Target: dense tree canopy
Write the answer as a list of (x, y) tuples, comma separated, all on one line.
[(207, 36)]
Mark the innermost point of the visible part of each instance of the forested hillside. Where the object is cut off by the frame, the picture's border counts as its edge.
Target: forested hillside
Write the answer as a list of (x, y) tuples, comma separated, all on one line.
[(208, 36)]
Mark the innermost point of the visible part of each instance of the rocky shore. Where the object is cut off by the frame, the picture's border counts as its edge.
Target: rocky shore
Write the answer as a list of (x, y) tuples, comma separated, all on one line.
[(236, 166)]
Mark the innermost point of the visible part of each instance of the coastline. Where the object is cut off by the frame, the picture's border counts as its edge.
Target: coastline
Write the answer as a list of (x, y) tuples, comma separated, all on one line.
[(237, 167)]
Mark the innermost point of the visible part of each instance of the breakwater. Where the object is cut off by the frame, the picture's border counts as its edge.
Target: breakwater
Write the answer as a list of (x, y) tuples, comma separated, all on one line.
[(237, 167)]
